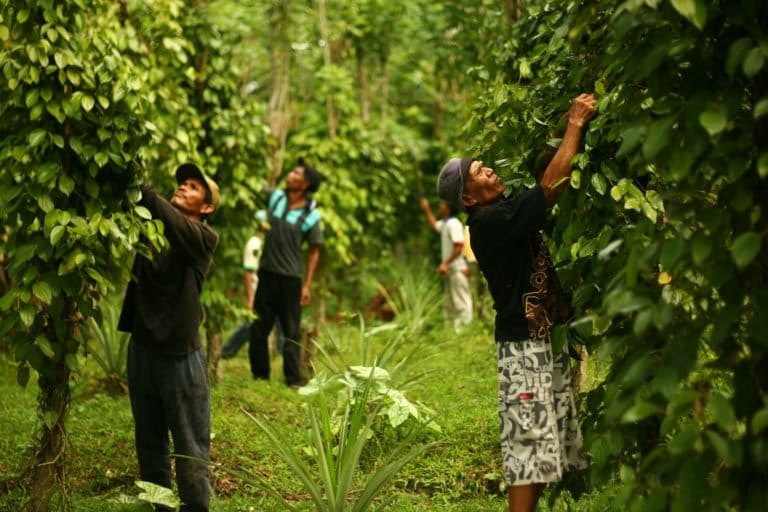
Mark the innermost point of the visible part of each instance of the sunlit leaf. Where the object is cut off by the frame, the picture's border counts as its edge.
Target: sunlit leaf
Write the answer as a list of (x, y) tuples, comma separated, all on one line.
[(714, 121), (43, 291)]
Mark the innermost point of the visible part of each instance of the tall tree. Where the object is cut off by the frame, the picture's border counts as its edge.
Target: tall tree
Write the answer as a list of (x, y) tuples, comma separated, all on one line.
[(73, 125)]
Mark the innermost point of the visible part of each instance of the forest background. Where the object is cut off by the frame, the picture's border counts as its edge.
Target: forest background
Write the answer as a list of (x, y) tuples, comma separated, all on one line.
[(661, 239)]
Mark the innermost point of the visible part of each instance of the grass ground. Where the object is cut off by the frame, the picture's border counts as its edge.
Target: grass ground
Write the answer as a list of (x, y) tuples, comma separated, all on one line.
[(460, 473)]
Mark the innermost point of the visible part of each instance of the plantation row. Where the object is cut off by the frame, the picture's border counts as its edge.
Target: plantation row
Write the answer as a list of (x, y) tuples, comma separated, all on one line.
[(660, 239)]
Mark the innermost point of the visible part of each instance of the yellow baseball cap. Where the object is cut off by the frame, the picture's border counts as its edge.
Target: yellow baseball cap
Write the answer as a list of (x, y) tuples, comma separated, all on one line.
[(191, 170)]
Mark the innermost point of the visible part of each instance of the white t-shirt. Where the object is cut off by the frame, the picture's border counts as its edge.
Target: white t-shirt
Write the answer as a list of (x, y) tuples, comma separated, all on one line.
[(451, 234), (252, 253), (251, 256)]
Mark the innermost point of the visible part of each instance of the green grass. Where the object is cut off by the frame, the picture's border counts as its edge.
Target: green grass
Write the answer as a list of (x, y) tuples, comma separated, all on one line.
[(460, 473)]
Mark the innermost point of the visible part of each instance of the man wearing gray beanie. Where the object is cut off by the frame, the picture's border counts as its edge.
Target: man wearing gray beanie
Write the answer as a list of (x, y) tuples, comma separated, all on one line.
[(540, 434)]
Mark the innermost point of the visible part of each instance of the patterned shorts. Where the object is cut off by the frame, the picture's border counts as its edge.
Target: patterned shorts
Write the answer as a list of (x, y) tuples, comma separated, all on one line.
[(540, 435)]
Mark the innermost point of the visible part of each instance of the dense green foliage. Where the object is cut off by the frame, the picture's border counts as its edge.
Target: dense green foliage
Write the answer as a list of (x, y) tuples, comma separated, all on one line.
[(662, 235), (661, 238)]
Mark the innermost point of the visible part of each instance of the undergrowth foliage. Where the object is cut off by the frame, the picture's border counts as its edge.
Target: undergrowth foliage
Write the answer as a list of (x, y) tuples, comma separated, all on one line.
[(662, 235)]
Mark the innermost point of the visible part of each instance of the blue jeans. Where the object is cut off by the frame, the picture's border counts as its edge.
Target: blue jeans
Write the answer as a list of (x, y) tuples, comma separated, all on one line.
[(235, 342)]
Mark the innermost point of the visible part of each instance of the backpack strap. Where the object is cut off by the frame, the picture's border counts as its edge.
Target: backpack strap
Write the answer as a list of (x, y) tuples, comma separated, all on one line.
[(277, 204), (278, 208), (308, 218)]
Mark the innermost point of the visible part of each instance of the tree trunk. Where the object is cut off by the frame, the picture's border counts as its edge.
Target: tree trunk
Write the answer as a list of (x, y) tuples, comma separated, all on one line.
[(384, 93), (46, 474), (327, 61), (513, 9), (280, 62), (214, 357), (362, 82), (579, 371)]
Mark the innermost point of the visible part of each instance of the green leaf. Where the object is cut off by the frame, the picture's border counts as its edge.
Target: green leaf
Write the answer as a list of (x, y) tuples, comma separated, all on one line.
[(66, 184), (721, 446), (45, 346), (101, 159), (576, 179), (753, 62), (761, 108), (27, 314), (657, 139), (4, 33), (43, 291), (762, 165), (22, 15), (687, 8), (714, 121), (598, 183), (693, 10), (76, 144), (722, 412), (745, 248), (6, 301), (45, 203), (87, 102), (72, 362), (36, 137), (142, 212), (701, 248), (630, 139), (54, 108), (56, 234), (671, 252), (32, 96), (157, 494), (36, 111), (639, 412), (760, 421)]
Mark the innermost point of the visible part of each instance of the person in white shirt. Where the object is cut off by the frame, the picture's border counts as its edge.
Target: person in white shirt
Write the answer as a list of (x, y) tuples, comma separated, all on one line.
[(251, 257), (457, 307)]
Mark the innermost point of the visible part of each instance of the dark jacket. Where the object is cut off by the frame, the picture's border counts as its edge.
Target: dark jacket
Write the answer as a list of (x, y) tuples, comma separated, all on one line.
[(162, 303)]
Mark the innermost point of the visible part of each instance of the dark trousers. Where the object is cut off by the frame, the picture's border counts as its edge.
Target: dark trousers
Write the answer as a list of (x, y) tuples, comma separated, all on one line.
[(242, 335), (277, 297), (170, 393)]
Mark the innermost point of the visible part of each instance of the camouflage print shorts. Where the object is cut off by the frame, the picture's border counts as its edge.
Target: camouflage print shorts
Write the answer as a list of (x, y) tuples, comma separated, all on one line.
[(540, 435)]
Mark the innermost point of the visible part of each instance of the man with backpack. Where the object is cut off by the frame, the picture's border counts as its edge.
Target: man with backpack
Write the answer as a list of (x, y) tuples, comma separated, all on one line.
[(281, 292)]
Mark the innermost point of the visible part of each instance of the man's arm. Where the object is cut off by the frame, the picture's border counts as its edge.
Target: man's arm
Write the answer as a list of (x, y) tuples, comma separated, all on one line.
[(312, 261), (458, 247), (194, 237), (553, 181), (424, 205), (248, 282)]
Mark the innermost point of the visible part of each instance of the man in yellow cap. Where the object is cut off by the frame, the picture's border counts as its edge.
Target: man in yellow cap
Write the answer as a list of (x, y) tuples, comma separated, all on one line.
[(167, 378)]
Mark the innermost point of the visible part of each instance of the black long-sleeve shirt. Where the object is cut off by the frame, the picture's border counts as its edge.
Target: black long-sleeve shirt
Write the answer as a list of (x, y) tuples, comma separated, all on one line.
[(162, 303), (514, 259)]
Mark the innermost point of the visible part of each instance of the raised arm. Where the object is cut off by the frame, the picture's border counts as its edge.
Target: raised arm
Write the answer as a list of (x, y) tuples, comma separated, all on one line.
[(424, 205), (553, 181), (194, 237)]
